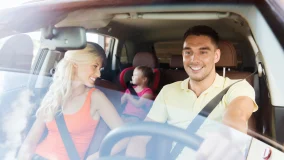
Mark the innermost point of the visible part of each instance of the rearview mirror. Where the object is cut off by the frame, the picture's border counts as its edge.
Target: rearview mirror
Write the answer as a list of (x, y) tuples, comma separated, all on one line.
[(68, 38)]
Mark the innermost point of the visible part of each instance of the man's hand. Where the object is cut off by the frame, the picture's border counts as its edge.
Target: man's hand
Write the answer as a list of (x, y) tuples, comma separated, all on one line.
[(224, 145)]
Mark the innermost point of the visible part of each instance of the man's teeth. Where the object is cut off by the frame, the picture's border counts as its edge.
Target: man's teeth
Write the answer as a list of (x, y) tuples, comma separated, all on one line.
[(195, 68)]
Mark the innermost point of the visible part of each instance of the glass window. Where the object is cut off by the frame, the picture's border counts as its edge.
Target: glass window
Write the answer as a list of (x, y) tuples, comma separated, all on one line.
[(124, 57), (164, 50), (102, 40), (18, 54)]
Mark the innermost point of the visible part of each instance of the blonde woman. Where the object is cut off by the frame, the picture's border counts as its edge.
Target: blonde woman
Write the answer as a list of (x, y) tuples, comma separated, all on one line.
[(72, 95)]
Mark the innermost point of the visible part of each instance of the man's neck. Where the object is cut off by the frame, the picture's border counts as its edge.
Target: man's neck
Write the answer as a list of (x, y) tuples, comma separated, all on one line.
[(200, 86)]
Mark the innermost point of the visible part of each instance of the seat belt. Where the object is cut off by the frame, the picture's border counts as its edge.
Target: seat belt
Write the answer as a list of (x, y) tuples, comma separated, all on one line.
[(134, 95), (66, 138), (132, 91), (201, 117)]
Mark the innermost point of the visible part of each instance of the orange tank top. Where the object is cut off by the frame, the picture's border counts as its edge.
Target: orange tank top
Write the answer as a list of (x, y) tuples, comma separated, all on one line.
[(81, 127)]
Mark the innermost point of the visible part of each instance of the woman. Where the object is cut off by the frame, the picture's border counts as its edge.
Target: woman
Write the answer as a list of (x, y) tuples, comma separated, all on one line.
[(71, 94)]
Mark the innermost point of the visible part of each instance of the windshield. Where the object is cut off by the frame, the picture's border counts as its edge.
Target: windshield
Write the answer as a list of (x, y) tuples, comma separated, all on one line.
[(62, 103)]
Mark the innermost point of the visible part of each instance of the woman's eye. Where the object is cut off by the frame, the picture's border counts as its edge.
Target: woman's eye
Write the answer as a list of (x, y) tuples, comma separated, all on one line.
[(95, 66)]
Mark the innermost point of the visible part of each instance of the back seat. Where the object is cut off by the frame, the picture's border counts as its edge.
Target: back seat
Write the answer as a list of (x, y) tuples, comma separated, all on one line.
[(228, 61)]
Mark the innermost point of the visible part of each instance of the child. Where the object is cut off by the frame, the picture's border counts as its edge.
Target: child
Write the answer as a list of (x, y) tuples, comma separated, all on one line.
[(137, 109)]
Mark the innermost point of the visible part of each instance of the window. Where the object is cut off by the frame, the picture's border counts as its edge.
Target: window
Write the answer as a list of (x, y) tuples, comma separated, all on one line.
[(102, 40), (17, 53), (123, 57), (164, 50)]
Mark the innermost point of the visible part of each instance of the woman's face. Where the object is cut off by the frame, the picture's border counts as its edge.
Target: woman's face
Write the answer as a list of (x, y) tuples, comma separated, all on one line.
[(88, 73)]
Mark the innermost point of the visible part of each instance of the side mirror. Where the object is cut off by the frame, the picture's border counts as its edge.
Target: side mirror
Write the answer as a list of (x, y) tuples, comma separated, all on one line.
[(68, 38)]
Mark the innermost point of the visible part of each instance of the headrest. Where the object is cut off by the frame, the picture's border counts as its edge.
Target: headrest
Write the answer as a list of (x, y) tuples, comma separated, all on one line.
[(228, 55), (145, 59), (176, 61)]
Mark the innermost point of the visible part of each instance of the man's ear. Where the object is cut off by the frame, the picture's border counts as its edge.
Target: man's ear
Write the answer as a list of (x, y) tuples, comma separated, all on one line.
[(217, 55)]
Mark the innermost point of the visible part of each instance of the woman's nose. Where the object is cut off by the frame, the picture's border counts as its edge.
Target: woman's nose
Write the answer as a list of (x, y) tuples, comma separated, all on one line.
[(98, 73)]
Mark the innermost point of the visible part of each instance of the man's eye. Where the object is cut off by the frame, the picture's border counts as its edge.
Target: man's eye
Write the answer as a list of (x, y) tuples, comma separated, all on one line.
[(187, 52), (203, 52)]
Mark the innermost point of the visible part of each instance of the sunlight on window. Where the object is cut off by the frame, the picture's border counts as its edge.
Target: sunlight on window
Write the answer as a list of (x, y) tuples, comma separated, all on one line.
[(12, 3)]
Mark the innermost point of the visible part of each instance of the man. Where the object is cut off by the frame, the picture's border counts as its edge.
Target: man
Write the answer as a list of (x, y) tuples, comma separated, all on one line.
[(178, 103)]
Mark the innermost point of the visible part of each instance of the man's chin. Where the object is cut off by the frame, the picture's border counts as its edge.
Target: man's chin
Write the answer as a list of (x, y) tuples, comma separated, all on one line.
[(196, 78)]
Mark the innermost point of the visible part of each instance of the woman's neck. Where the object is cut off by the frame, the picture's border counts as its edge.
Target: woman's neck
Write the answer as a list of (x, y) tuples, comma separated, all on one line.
[(77, 88)]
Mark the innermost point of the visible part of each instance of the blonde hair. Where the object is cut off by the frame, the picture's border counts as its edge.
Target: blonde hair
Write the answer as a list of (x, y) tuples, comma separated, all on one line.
[(60, 89)]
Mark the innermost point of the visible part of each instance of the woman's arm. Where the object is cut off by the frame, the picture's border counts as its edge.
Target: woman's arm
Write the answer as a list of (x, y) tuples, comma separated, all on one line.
[(109, 114), (28, 147)]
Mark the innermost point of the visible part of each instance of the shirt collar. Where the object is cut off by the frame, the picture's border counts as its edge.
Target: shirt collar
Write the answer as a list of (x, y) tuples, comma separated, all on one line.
[(218, 82)]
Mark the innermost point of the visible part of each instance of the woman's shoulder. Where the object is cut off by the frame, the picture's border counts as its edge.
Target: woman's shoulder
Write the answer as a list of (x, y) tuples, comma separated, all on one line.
[(96, 93)]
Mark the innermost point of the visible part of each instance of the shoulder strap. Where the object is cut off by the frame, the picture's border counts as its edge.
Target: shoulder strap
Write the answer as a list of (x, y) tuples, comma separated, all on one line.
[(201, 117), (66, 138), (132, 91)]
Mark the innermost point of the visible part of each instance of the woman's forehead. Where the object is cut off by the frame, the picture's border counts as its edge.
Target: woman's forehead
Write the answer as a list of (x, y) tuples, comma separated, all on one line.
[(97, 61)]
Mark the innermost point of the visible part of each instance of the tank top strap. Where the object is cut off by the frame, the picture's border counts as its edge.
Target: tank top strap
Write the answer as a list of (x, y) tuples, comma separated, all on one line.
[(89, 96)]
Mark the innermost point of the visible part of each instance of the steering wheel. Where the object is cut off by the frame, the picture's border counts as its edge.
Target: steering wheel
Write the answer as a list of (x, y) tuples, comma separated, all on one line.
[(148, 129)]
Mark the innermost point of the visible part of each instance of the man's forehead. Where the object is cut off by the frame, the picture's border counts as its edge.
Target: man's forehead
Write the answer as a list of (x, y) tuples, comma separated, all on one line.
[(198, 41)]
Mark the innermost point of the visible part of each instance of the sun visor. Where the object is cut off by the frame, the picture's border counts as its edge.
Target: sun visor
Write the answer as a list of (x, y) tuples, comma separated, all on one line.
[(87, 18)]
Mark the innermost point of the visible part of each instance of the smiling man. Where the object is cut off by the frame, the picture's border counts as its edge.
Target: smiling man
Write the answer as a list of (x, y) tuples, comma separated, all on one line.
[(179, 103)]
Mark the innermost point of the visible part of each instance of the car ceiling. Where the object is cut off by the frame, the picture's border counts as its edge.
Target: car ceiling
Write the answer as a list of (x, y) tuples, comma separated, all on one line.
[(34, 16)]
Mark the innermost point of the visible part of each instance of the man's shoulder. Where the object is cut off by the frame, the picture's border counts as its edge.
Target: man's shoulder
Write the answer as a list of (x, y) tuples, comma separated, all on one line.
[(238, 83)]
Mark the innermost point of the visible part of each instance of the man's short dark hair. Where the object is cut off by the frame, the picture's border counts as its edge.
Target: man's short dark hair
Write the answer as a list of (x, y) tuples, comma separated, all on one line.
[(204, 31)]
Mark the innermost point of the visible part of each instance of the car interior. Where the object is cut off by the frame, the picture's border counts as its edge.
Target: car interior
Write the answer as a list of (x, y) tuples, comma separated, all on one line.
[(153, 37), (158, 44)]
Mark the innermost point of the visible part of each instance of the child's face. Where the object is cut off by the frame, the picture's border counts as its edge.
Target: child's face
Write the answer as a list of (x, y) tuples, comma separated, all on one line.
[(138, 77)]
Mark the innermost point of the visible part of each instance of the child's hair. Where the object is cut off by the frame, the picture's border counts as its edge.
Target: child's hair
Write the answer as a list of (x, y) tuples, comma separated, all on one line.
[(148, 73)]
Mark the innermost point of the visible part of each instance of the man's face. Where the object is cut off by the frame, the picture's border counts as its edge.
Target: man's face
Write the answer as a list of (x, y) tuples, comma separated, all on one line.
[(199, 57)]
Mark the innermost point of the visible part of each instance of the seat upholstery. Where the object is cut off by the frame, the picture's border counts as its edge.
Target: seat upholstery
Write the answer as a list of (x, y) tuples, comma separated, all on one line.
[(141, 59)]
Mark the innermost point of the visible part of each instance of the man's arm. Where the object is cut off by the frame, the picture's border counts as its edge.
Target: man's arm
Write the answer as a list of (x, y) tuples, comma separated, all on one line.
[(240, 99), (238, 113)]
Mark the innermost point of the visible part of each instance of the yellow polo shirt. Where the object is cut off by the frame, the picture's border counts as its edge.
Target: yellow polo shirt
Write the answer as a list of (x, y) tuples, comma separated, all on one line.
[(177, 105)]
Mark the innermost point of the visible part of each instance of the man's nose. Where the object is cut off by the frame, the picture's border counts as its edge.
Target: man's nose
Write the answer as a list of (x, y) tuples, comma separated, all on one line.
[(194, 57)]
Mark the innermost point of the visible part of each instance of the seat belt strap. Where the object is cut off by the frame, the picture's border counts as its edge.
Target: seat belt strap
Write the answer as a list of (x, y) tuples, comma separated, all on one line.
[(66, 138)]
